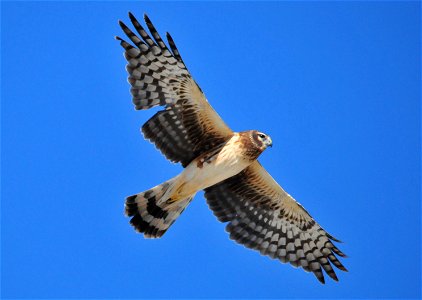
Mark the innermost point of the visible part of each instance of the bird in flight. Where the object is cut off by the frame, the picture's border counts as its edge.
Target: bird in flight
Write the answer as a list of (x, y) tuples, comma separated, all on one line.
[(259, 213)]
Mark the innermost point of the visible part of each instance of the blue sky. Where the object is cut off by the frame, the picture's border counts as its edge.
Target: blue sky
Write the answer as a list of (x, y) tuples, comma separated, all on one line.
[(335, 84)]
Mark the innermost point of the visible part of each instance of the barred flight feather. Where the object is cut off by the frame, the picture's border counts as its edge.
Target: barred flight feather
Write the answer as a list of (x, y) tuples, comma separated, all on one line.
[(158, 76), (263, 217)]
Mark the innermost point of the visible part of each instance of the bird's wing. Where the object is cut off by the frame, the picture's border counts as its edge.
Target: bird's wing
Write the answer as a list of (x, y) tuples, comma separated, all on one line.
[(188, 126), (262, 216)]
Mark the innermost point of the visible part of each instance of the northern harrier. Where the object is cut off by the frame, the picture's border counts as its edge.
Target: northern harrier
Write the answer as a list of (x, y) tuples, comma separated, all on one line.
[(223, 163)]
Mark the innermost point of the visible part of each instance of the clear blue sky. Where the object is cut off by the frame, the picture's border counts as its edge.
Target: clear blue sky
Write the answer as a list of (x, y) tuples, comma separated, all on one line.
[(335, 84)]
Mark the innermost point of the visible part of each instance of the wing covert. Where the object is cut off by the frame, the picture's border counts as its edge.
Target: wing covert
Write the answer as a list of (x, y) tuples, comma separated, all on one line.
[(188, 126), (263, 217)]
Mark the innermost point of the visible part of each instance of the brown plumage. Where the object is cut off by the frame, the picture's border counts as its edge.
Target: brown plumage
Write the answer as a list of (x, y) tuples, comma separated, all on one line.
[(260, 214), (253, 144)]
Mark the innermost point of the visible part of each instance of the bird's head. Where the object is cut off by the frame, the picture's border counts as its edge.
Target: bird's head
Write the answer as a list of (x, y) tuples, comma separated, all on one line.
[(262, 140), (254, 143)]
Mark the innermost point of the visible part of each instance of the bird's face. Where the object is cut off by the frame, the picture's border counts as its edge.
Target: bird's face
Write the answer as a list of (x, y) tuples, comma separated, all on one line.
[(262, 140)]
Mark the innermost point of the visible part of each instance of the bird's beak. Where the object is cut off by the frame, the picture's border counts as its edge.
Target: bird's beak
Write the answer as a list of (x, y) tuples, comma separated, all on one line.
[(269, 142)]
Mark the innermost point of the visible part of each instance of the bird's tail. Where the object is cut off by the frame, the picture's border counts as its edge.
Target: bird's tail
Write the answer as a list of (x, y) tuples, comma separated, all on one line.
[(154, 211)]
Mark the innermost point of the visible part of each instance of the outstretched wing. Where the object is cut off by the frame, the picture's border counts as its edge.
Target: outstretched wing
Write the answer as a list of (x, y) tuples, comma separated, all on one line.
[(262, 216), (188, 126)]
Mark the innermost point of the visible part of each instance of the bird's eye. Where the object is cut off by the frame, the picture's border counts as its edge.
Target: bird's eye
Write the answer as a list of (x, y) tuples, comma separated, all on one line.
[(262, 136)]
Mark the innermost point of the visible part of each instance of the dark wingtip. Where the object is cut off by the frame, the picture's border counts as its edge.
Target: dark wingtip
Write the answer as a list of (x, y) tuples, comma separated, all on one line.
[(338, 252), (333, 276), (169, 37), (333, 238), (122, 24), (147, 20), (319, 275), (132, 17)]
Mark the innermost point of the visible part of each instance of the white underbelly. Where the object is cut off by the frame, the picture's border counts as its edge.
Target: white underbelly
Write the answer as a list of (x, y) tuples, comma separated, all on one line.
[(198, 177)]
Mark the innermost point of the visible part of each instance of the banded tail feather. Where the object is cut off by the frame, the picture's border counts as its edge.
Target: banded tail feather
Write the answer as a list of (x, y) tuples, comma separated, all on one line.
[(155, 210)]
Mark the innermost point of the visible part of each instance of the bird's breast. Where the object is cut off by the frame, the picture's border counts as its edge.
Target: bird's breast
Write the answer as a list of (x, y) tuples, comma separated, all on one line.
[(215, 166)]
